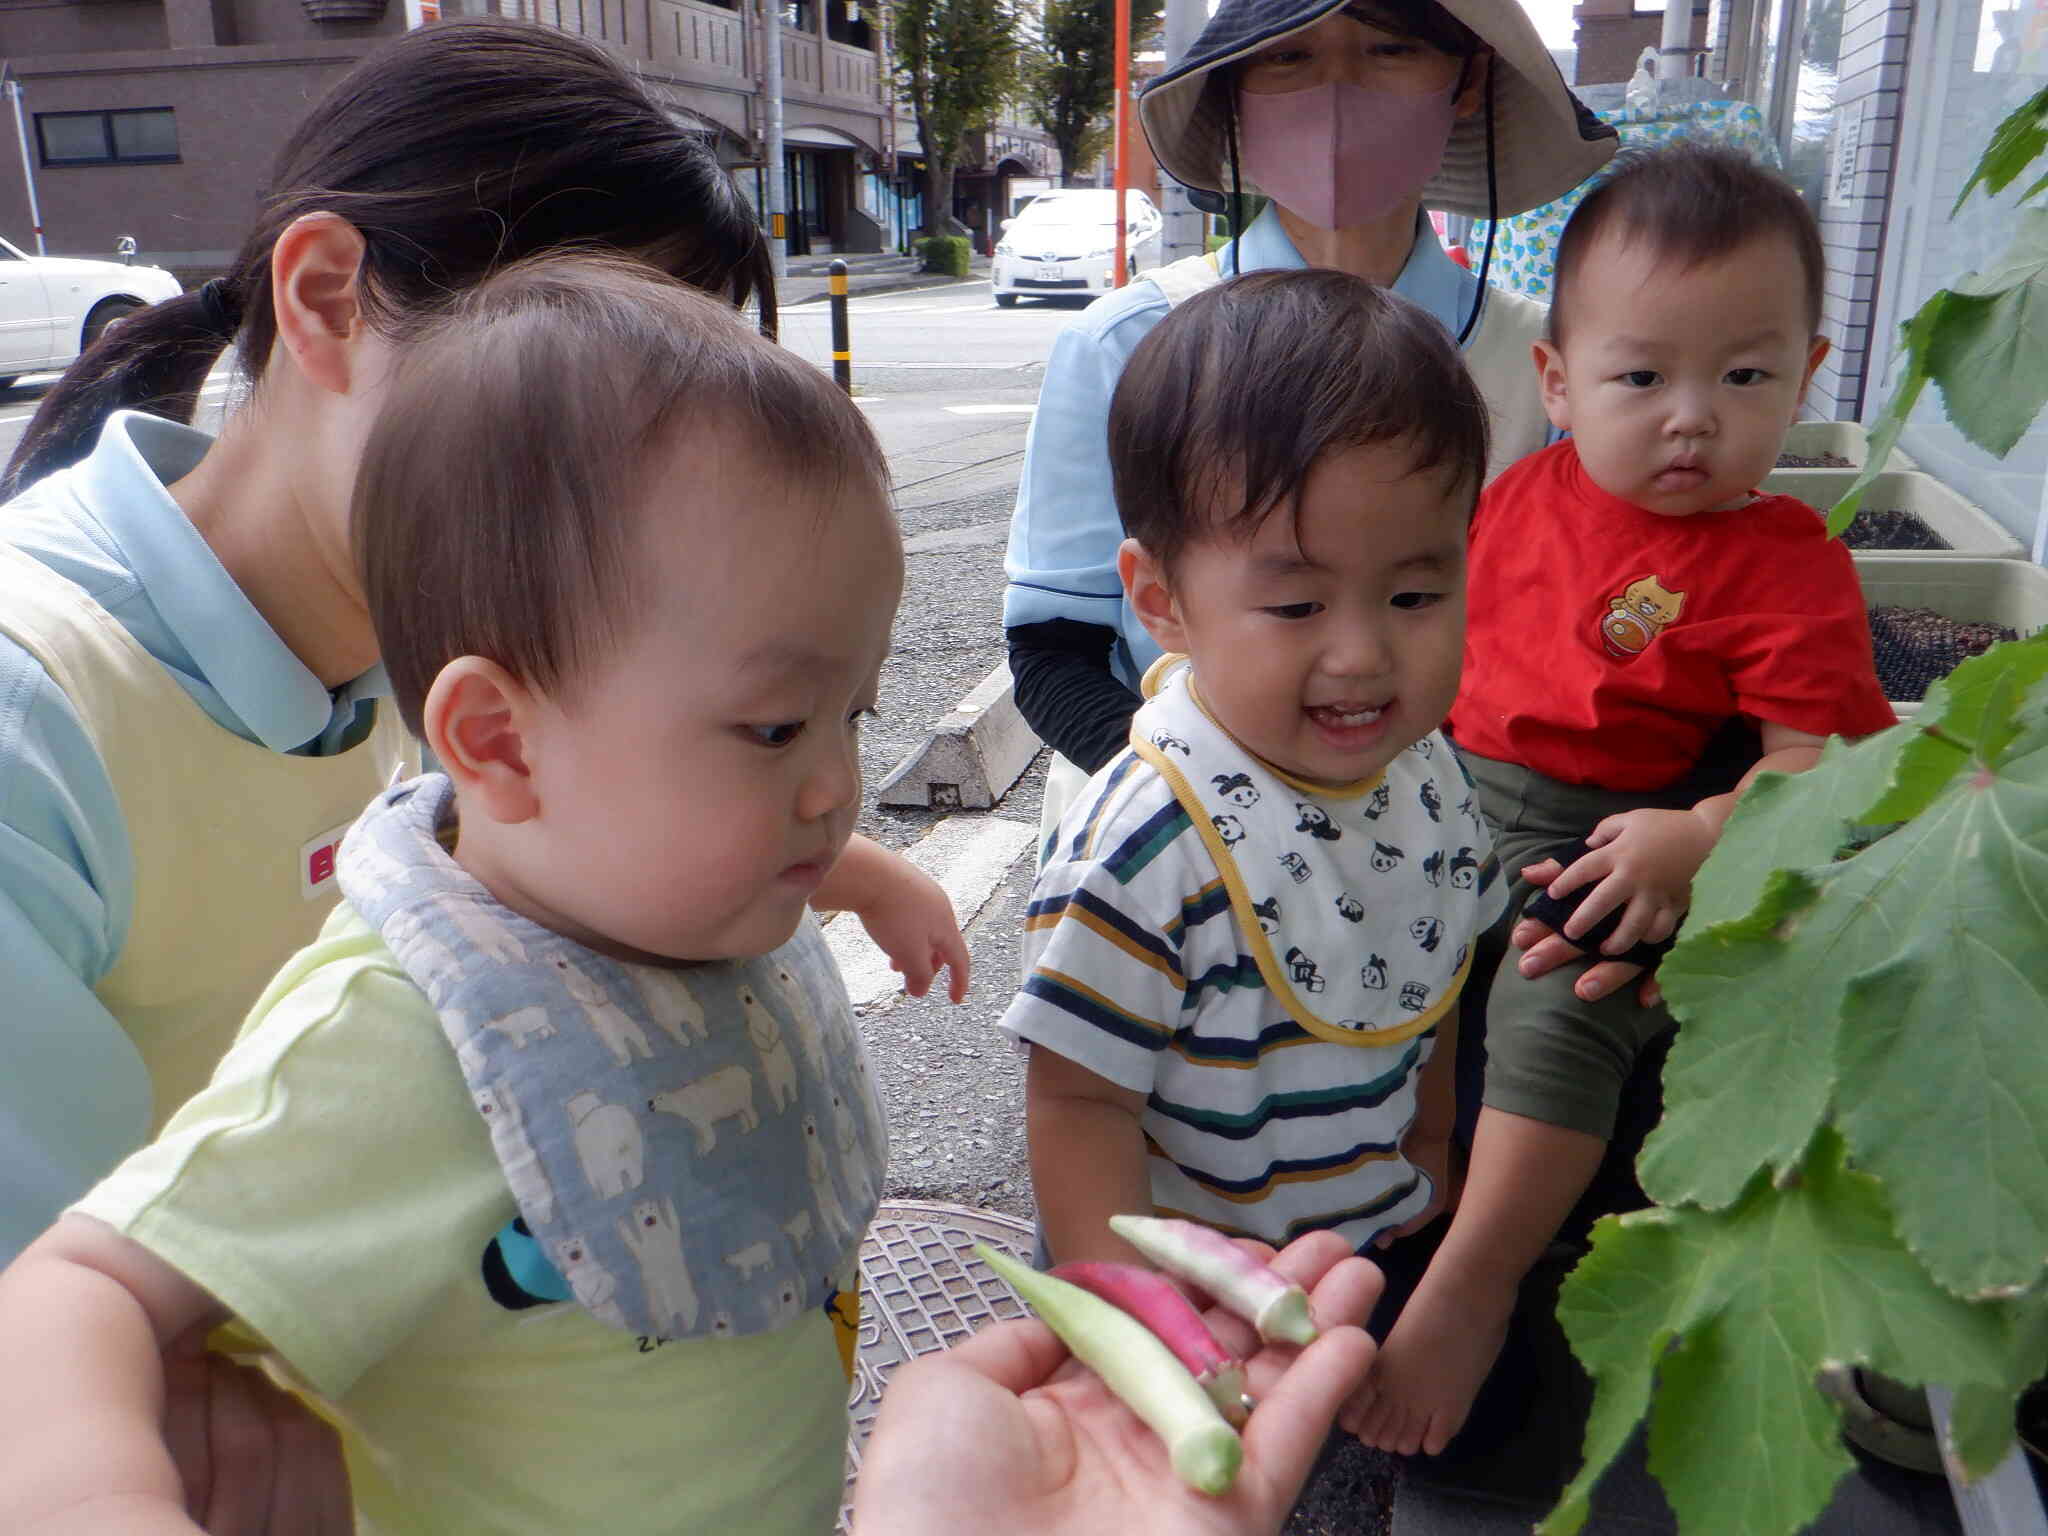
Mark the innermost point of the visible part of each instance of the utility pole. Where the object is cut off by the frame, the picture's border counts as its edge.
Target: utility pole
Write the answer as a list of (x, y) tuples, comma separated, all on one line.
[(1123, 132), (771, 91), (28, 171), (1184, 222)]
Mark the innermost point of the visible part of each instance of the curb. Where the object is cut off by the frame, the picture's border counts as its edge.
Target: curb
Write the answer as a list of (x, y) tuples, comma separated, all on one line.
[(891, 285), (969, 856), (972, 756)]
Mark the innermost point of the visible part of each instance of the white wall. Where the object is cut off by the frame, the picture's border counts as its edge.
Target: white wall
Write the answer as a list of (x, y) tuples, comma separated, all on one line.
[(1953, 101)]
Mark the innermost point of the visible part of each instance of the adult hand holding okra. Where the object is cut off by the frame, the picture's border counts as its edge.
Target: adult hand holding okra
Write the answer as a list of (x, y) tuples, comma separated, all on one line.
[(1006, 1432)]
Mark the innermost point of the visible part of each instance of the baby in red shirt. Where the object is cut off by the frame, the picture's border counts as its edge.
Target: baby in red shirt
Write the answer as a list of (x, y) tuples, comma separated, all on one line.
[(1631, 598)]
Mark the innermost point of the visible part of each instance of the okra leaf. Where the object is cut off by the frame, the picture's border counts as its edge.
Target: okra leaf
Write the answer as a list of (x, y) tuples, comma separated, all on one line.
[(1980, 1426), (2015, 144), (1753, 1068), (1733, 1313), (1973, 712), (1791, 821), (1939, 1090), (1989, 354)]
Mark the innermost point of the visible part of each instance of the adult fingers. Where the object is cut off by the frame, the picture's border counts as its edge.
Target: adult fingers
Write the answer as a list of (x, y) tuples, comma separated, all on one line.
[(1608, 976), (241, 1451), (187, 1381), (309, 1491), (1547, 954), (1287, 1430)]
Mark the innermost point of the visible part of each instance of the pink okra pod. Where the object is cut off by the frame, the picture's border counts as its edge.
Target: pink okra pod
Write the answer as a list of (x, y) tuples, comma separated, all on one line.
[(1156, 1302), (1255, 1291)]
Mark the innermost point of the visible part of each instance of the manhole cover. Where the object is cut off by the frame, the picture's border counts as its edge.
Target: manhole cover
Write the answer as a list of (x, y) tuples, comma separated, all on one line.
[(921, 1288)]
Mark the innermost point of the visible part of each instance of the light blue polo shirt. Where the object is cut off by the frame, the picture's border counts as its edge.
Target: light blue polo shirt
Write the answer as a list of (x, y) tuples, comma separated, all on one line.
[(74, 1098), (1065, 532)]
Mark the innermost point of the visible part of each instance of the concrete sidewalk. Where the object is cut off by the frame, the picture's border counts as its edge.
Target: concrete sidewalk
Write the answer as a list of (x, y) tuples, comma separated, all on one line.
[(809, 280)]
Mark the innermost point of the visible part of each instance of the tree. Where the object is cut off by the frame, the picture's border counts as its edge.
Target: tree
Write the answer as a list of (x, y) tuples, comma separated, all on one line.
[(1072, 76), (958, 62)]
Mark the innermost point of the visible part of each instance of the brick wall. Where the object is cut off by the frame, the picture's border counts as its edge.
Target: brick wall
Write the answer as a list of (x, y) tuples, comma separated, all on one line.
[(1870, 80)]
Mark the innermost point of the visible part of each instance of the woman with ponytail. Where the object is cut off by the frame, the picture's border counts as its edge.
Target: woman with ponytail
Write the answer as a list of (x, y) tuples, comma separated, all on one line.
[(189, 682)]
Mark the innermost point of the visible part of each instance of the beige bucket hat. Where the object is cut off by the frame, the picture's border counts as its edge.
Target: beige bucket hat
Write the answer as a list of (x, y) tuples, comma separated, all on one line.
[(1545, 142)]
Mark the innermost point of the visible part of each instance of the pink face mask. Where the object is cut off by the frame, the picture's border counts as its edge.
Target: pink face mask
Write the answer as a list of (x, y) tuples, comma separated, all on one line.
[(1342, 154)]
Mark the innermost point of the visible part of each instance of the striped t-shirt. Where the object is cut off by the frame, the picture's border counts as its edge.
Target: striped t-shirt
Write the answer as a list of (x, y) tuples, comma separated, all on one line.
[(1139, 972)]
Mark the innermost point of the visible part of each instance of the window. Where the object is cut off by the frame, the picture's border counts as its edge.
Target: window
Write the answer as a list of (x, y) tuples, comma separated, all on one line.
[(143, 136)]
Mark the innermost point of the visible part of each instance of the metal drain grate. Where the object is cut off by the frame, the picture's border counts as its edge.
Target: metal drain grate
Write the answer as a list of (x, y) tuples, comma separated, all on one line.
[(921, 1289)]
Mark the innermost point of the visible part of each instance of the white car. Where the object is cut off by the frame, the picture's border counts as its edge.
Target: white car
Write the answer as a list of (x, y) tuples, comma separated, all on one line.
[(1063, 243), (54, 307)]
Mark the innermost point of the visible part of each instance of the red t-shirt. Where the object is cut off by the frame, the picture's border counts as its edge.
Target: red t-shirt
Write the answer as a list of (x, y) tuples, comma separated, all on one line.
[(1605, 645)]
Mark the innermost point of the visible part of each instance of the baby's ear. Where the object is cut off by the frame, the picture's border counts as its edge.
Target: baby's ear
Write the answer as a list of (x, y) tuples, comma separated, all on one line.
[(1816, 354), (1551, 382), (1151, 596), (475, 720)]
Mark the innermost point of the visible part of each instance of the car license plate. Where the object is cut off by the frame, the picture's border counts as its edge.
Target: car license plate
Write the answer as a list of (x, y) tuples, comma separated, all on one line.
[(1052, 274)]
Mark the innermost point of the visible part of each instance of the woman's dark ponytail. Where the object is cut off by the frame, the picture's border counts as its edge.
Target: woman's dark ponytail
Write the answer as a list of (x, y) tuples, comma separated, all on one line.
[(456, 149), (154, 360)]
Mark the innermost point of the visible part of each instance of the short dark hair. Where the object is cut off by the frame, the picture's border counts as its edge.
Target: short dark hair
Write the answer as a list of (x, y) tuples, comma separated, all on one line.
[(1241, 390), (493, 507), (1691, 203)]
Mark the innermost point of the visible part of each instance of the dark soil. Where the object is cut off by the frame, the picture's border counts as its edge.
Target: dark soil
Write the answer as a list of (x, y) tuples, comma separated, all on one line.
[(1891, 528), (1813, 461), (1917, 647)]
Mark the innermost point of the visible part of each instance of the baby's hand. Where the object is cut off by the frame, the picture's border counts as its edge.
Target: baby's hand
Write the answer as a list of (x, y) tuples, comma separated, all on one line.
[(913, 924), (1644, 862), (904, 910), (1640, 868)]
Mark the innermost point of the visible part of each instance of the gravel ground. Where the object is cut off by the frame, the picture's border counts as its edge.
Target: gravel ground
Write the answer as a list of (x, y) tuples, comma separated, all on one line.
[(954, 1089)]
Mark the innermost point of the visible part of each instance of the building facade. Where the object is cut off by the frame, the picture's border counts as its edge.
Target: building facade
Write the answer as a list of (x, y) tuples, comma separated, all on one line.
[(159, 119)]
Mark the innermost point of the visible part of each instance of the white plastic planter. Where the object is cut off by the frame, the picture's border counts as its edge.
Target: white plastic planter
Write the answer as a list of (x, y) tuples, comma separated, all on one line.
[(2013, 593), (1972, 532), (1846, 439)]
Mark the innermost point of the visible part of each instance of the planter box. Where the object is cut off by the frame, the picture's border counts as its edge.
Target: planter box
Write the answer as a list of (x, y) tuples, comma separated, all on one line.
[(1847, 439), (1969, 529), (2013, 593)]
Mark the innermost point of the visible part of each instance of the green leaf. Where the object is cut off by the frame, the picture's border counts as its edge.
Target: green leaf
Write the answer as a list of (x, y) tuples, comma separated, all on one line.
[(1989, 353), (1732, 1313), (1603, 1300), (1770, 1030), (1970, 713), (1941, 1091), (1915, 338), (2015, 144), (1980, 1427), (1787, 821)]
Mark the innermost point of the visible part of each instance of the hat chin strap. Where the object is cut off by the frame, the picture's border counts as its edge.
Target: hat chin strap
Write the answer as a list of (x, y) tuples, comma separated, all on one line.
[(1492, 220), (1236, 190)]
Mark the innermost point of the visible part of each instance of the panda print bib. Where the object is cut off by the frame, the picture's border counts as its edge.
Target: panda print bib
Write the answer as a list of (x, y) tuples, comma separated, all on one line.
[(1359, 903), (697, 1150)]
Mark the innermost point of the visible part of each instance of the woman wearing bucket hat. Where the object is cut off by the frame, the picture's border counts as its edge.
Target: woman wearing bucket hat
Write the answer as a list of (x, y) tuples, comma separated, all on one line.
[(1350, 117)]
